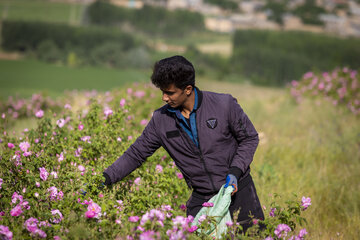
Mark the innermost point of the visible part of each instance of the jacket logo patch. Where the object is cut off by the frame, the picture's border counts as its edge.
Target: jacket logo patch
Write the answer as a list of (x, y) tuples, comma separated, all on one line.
[(172, 134), (211, 123)]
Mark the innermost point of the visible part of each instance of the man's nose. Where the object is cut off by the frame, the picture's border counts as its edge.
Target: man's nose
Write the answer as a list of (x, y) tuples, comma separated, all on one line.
[(165, 97)]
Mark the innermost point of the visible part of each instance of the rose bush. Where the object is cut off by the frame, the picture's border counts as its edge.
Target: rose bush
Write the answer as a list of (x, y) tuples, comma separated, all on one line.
[(340, 87), (51, 179)]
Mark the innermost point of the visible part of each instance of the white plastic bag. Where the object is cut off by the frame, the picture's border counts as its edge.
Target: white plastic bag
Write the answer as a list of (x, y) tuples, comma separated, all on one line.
[(220, 211)]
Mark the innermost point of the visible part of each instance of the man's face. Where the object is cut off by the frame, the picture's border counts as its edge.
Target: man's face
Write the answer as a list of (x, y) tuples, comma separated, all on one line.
[(174, 96)]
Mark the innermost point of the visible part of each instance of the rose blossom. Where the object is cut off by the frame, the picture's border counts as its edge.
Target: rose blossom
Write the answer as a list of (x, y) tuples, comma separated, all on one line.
[(122, 102), (81, 168), (39, 114), (208, 204), (61, 157), (16, 211), (143, 122), (179, 175), (54, 174), (302, 233), (192, 229), (31, 224), (137, 181), (57, 216), (15, 197), (43, 174), (4, 231), (24, 146), (282, 230), (10, 145), (159, 168), (108, 112), (305, 202), (202, 218), (272, 212), (60, 122), (93, 210), (133, 219), (40, 233)]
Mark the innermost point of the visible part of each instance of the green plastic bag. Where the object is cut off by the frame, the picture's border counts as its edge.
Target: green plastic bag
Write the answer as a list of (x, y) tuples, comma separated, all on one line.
[(220, 211)]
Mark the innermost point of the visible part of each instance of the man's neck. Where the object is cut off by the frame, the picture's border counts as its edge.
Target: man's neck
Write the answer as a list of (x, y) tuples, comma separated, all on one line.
[(188, 105)]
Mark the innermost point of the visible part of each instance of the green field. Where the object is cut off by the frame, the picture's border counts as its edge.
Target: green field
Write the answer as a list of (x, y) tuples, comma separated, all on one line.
[(25, 77), (41, 10)]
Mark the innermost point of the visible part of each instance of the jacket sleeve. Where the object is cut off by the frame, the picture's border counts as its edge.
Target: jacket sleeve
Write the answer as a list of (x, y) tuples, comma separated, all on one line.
[(246, 136), (136, 154)]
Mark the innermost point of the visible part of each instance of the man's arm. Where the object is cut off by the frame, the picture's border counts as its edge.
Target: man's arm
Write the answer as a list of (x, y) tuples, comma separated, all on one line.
[(135, 155), (246, 136)]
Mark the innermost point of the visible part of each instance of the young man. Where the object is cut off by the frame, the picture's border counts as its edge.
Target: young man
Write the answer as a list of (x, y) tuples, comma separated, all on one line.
[(208, 135)]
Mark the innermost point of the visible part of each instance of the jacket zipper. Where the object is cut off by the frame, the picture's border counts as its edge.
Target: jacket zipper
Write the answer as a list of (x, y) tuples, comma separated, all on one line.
[(203, 162), (200, 152)]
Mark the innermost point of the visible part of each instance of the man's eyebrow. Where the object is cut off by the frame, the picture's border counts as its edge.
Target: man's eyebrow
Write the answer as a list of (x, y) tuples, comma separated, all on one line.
[(164, 91)]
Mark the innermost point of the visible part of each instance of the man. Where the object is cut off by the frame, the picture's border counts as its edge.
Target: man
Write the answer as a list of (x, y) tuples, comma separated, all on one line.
[(209, 137)]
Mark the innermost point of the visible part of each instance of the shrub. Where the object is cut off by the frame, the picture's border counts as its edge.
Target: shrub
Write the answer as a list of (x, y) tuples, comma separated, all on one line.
[(340, 87), (50, 182), (276, 58), (48, 51), (149, 19), (17, 35), (109, 54)]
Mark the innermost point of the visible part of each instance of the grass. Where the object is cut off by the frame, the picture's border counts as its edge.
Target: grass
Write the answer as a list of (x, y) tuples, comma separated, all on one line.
[(25, 77), (41, 10)]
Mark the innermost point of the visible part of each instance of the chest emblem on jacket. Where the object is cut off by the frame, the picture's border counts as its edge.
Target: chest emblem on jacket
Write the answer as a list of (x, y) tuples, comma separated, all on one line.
[(211, 123)]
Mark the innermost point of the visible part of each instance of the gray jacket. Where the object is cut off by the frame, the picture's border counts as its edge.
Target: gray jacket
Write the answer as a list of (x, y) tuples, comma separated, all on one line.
[(227, 143)]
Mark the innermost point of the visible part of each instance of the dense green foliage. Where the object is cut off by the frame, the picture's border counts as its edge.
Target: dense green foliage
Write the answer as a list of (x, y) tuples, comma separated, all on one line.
[(75, 45), (224, 4), (309, 12), (274, 58), (277, 10), (152, 20), (23, 36)]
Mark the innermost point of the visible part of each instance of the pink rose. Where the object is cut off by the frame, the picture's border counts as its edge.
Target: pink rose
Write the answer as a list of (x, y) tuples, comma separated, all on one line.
[(39, 114), (24, 146), (43, 174), (31, 224), (208, 204), (10, 145), (133, 219), (4, 230), (16, 211)]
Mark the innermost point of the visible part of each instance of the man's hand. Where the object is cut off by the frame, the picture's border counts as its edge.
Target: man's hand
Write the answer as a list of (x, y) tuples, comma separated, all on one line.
[(232, 181)]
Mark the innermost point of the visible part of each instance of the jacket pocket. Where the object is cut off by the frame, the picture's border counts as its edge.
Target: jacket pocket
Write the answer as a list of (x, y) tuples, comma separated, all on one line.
[(172, 134)]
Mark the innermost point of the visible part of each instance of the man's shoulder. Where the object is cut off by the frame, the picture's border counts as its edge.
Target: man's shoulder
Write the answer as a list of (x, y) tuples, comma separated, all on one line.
[(162, 111), (215, 97)]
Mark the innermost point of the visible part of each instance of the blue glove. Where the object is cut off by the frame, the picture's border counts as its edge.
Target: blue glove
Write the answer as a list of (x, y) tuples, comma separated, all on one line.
[(232, 181)]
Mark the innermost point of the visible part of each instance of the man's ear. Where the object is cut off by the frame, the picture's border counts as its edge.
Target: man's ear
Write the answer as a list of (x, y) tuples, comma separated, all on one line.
[(188, 89)]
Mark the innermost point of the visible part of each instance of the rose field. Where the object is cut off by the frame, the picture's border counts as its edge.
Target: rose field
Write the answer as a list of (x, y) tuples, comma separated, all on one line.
[(54, 150)]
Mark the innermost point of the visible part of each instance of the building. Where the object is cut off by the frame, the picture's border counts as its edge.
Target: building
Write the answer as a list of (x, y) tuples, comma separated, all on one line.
[(128, 3)]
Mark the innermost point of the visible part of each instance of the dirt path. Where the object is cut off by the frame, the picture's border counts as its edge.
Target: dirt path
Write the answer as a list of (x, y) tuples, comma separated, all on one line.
[(10, 56)]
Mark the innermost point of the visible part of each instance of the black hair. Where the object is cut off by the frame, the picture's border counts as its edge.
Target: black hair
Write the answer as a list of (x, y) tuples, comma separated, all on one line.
[(173, 70)]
